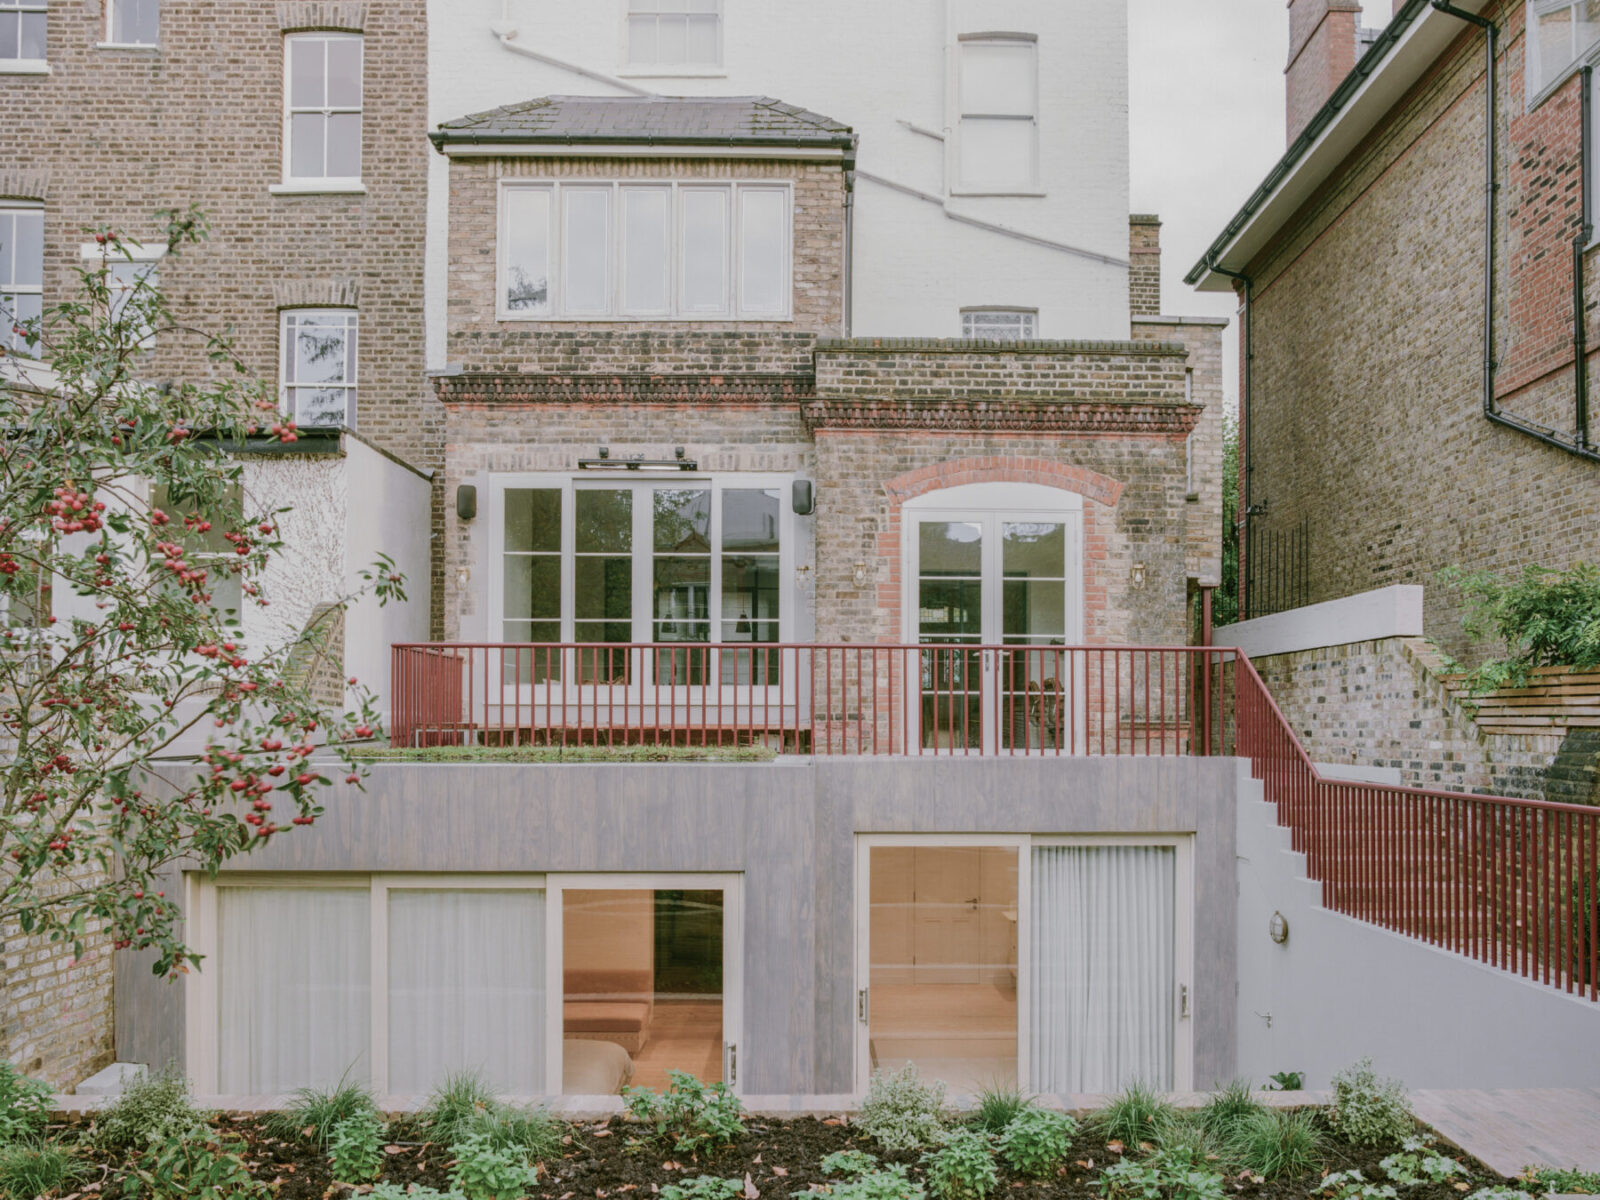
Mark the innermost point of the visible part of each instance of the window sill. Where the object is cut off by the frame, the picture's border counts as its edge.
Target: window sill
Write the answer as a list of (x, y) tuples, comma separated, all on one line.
[(146, 46), (24, 66), (679, 73), (318, 189)]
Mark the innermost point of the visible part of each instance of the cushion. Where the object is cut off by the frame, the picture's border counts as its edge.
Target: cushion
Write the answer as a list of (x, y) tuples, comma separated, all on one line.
[(594, 1068), (605, 1016)]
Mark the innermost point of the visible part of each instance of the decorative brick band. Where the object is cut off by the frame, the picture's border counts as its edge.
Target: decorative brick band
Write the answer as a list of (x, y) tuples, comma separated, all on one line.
[(316, 293), (946, 416), (295, 15), (17, 183), (516, 388), (900, 345)]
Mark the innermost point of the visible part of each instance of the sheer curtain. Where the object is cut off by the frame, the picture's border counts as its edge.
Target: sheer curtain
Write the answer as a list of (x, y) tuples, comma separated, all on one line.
[(466, 988), (1103, 948), (293, 991)]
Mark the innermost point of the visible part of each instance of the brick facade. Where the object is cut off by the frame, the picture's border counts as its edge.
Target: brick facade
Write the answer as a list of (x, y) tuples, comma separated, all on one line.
[(1368, 346), (1144, 265)]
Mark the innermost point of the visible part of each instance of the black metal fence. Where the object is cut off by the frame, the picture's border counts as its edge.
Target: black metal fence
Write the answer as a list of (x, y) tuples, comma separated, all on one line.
[(1277, 569)]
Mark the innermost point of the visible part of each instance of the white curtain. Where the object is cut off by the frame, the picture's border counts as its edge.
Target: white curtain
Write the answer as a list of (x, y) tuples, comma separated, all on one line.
[(466, 988), (294, 1000), (1103, 947)]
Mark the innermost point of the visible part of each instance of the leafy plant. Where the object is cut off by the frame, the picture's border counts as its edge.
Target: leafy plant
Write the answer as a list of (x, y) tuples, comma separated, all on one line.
[(485, 1172), (998, 1106), (902, 1111), (1135, 1115), (1036, 1141), (688, 1115), (154, 1109), (1228, 1109), (1168, 1174), (312, 1113), (1353, 1185), (532, 1132), (1571, 1183), (1498, 1192), (27, 1171), (848, 1163), (355, 1147), (185, 1167), (1285, 1081), (704, 1187), (394, 1191), (1275, 1142), (455, 1106), (892, 1182), (1544, 618), (24, 1105), (1416, 1163), (963, 1168), (1369, 1111)]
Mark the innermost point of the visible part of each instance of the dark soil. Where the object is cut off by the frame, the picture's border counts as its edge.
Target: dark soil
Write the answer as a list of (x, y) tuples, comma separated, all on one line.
[(778, 1157)]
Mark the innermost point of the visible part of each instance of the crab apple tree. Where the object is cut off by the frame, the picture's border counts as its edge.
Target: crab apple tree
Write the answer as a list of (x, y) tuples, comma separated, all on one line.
[(140, 730)]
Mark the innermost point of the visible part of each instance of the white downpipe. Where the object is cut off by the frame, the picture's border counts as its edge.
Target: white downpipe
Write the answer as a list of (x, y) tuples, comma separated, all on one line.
[(506, 36)]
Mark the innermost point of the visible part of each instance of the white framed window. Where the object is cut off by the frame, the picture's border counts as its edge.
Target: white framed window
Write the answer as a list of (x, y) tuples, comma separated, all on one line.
[(133, 22), (998, 90), (621, 251), (21, 270), (322, 109), (127, 265), (1560, 32), (662, 34), (318, 375), (22, 34), (1000, 324)]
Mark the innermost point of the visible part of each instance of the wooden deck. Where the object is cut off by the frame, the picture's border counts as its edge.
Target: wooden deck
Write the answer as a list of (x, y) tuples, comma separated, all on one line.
[(1509, 1129)]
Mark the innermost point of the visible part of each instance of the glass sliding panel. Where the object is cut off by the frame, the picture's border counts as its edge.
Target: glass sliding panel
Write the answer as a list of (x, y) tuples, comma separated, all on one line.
[(763, 251), (703, 246), (527, 241), (681, 580), (642, 980), (1103, 949), (466, 989), (1034, 615), (950, 610), (943, 969), (603, 589), (531, 588), (293, 989), (646, 253), (750, 591), (586, 245)]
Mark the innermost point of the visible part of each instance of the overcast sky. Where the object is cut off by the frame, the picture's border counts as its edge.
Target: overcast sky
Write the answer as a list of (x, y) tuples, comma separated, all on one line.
[(1205, 107)]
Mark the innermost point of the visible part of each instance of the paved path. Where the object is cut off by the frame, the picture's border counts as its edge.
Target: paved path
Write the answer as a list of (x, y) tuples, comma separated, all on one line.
[(1513, 1128)]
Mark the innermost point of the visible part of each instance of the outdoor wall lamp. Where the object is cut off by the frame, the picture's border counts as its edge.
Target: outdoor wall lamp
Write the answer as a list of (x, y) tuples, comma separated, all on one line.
[(1136, 575), (467, 501), (1278, 928), (861, 575), (802, 497)]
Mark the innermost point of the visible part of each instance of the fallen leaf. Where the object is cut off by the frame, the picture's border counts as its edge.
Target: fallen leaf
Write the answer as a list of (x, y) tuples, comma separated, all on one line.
[(628, 1187), (750, 1192), (756, 1159), (780, 1170), (832, 1121), (1461, 1187), (394, 1149), (568, 1195), (566, 1139), (1114, 1147), (671, 1166)]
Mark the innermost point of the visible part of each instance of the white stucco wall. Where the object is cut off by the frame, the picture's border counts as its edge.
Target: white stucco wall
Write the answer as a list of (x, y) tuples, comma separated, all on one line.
[(872, 66), (1339, 989), (1388, 612), (311, 570)]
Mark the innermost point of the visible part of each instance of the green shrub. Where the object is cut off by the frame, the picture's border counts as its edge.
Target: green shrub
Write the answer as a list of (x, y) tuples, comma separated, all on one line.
[(355, 1147), (485, 1172), (1416, 1163), (24, 1105), (704, 1187), (1284, 1081), (1544, 618), (189, 1167), (312, 1113), (456, 1106), (395, 1191), (1036, 1141), (1168, 1174), (27, 1171), (998, 1106), (902, 1111), (1353, 1185), (1369, 1111), (1570, 1183), (892, 1182), (689, 1115), (1228, 1109), (1135, 1115), (963, 1168), (1275, 1142), (152, 1110), (848, 1163)]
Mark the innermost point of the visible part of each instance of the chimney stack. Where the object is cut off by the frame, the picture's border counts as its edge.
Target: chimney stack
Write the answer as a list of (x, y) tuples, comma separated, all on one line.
[(1144, 265), (1322, 51)]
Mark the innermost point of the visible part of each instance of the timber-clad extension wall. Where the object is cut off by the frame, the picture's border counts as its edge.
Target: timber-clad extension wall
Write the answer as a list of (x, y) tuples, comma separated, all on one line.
[(1369, 355)]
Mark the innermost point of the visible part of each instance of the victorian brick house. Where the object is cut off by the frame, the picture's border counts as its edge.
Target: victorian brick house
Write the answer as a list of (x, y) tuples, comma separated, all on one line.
[(1417, 279)]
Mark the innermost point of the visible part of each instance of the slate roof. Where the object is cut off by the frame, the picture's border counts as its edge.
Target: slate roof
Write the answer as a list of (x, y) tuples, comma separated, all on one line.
[(649, 120)]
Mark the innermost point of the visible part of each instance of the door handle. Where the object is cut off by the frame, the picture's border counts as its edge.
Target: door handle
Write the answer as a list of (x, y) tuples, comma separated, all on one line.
[(863, 1006)]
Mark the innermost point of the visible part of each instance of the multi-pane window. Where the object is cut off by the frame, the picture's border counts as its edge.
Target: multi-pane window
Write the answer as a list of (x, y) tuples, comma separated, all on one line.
[(674, 33), (126, 267), (322, 119), (666, 250), (133, 22), (999, 324), (1559, 33), (21, 273), (22, 30), (318, 380), (999, 110)]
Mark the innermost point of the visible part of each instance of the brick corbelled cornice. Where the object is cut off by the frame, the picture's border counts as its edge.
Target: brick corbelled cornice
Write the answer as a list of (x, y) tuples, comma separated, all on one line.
[(517, 388), (316, 293), (17, 183), (321, 14), (1010, 416)]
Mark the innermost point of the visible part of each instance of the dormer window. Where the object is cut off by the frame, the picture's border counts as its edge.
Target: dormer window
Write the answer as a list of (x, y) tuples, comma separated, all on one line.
[(663, 34)]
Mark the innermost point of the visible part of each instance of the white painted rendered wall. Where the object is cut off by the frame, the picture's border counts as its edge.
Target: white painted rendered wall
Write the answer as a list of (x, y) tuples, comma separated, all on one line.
[(1365, 617), (1339, 989), (873, 66)]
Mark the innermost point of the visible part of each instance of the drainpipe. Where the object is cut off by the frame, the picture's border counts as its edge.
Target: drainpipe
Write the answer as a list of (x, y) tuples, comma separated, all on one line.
[(1578, 444), (1580, 323), (849, 250), (1248, 466)]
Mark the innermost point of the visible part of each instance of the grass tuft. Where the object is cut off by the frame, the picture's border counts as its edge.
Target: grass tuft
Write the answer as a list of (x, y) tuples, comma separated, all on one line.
[(456, 1107), (29, 1170), (998, 1105), (1136, 1114), (1228, 1109), (1275, 1142), (312, 1113)]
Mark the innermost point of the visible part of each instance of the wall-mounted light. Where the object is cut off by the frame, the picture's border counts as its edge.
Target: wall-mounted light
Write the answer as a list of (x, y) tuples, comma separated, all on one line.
[(1136, 575), (467, 501), (604, 462), (802, 577), (802, 497), (861, 575), (1278, 928)]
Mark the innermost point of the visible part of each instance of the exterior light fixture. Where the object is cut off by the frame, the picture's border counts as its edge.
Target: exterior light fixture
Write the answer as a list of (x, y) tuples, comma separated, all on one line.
[(604, 462), (1278, 928), (467, 501), (861, 575), (1136, 575), (802, 497)]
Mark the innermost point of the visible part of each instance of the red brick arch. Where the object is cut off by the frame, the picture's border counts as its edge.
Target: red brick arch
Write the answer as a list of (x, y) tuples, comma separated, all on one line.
[(998, 468)]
